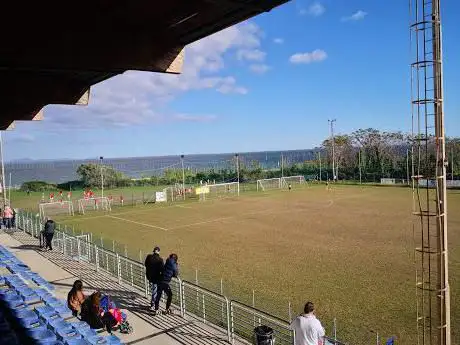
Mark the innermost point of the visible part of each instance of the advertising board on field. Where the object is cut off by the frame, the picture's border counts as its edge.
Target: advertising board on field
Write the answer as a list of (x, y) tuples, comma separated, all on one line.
[(160, 197)]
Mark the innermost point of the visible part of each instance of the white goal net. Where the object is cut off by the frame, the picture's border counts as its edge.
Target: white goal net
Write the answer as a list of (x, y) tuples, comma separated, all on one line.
[(268, 183), (98, 203), (48, 209), (219, 190), (292, 180)]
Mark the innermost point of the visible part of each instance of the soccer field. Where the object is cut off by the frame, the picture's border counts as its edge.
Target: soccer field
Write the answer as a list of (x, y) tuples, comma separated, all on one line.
[(349, 250)]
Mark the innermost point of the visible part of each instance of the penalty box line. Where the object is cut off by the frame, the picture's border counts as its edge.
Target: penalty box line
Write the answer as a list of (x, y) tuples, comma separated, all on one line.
[(138, 223)]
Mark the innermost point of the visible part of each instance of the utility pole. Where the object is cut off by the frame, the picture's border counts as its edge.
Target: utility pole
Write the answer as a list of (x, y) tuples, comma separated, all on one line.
[(3, 171), (238, 171), (452, 167), (320, 172), (359, 163), (331, 122), (282, 165), (183, 176), (101, 159), (407, 166)]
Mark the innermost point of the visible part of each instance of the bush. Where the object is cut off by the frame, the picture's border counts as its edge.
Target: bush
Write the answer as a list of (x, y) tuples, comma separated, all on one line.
[(37, 186)]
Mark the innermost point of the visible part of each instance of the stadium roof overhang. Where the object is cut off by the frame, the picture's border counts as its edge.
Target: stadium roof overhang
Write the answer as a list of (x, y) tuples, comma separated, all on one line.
[(53, 51)]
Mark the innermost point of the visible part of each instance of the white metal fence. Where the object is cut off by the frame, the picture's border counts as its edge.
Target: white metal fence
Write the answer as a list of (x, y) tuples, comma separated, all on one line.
[(234, 319)]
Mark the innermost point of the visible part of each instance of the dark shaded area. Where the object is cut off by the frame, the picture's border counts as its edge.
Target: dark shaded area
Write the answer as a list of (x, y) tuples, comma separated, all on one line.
[(52, 52)]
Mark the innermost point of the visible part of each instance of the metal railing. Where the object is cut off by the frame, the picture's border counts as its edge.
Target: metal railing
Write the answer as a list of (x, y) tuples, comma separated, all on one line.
[(234, 319), (244, 318)]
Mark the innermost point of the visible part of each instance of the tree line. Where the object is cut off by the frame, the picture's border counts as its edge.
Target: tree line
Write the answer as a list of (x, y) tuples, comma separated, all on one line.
[(366, 154)]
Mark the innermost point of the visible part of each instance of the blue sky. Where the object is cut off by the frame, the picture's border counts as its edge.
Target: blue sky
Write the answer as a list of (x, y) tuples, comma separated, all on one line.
[(268, 84)]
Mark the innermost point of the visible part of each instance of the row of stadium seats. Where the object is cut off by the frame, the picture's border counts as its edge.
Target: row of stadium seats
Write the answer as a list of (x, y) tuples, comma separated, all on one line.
[(31, 314)]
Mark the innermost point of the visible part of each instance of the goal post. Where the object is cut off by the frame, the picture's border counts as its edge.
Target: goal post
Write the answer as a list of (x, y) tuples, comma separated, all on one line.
[(292, 180), (223, 189), (48, 209), (268, 183), (97, 203)]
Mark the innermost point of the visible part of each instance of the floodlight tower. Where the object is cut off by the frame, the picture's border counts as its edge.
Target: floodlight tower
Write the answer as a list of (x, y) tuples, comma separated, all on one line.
[(101, 160), (429, 177), (183, 176), (237, 158)]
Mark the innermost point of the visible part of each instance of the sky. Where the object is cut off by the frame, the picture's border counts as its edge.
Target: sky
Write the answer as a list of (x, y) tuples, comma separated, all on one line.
[(270, 83)]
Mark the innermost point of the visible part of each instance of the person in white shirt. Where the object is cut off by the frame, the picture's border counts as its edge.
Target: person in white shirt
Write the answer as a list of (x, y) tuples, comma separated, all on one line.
[(308, 329)]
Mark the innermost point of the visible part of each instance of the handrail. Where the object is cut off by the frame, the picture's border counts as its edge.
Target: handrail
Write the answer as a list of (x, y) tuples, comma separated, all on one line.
[(260, 312)]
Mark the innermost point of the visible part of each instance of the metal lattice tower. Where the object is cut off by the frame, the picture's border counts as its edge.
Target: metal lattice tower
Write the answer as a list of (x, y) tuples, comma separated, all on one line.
[(429, 175)]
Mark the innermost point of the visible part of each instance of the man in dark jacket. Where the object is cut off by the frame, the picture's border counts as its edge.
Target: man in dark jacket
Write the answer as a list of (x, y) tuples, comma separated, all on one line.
[(154, 272), (170, 270), (48, 233)]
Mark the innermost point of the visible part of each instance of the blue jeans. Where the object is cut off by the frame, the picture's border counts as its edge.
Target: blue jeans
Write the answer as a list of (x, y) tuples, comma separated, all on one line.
[(154, 287)]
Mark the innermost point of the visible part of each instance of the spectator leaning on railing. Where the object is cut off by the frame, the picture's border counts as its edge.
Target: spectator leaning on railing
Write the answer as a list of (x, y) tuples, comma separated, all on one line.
[(170, 270), (308, 329)]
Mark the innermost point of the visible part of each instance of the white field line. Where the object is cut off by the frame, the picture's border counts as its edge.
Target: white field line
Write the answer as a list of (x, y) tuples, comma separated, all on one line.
[(135, 211), (182, 206), (139, 223)]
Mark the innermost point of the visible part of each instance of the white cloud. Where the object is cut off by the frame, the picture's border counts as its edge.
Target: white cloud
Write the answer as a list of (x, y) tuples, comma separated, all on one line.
[(194, 118), (316, 55), (250, 55), (278, 40), (259, 68), (316, 9), (17, 137), (358, 15), (139, 97)]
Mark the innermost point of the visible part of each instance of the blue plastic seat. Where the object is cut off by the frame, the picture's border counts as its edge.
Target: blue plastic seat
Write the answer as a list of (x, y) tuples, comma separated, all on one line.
[(63, 311), (54, 321), (59, 324), (87, 332), (67, 334), (26, 317), (77, 342), (45, 310), (54, 302), (42, 335), (15, 303), (79, 325)]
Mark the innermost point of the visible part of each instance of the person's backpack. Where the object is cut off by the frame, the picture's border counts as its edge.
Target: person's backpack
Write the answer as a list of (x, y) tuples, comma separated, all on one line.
[(126, 328)]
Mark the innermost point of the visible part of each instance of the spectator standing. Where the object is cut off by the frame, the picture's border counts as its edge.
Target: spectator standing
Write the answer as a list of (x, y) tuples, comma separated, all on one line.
[(154, 266), (13, 220), (8, 216), (308, 329), (170, 270), (48, 233)]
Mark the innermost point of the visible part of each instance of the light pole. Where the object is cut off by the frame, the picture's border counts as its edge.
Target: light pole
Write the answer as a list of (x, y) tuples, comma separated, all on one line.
[(320, 167), (183, 176), (282, 165), (359, 162), (407, 166), (101, 159), (238, 171), (331, 122)]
